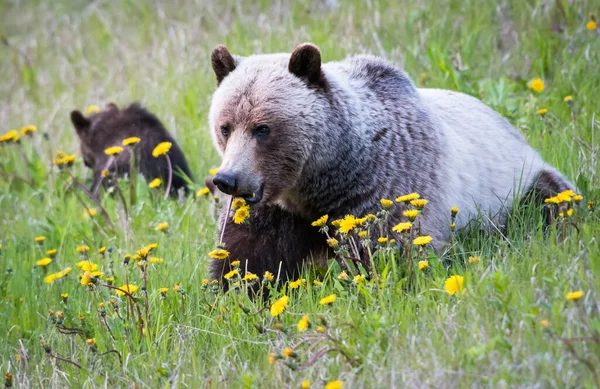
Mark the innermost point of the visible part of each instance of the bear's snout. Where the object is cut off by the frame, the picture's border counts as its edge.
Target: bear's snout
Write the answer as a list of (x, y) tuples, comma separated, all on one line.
[(235, 185), (227, 183)]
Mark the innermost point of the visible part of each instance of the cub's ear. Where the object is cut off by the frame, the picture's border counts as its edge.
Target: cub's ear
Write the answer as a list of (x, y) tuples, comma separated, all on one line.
[(222, 62), (112, 106), (80, 122), (305, 62)]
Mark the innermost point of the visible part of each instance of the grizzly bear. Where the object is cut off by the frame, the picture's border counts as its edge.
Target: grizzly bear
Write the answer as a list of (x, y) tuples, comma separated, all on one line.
[(110, 127), (301, 139)]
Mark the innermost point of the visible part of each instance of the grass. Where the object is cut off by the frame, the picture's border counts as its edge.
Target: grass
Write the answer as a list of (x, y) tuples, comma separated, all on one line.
[(60, 56)]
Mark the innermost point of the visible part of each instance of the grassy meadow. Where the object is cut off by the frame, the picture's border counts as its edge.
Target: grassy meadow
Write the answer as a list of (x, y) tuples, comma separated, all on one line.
[(511, 325)]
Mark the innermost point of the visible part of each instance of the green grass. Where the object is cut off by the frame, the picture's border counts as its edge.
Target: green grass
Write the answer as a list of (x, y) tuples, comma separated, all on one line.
[(392, 333)]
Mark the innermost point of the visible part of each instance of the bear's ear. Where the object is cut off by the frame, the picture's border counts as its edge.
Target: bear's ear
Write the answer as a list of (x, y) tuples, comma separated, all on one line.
[(80, 122), (112, 106), (305, 62), (222, 62)]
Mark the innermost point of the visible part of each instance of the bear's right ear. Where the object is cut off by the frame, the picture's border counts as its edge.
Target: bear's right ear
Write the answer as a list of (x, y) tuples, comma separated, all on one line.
[(80, 122), (222, 62), (305, 62)]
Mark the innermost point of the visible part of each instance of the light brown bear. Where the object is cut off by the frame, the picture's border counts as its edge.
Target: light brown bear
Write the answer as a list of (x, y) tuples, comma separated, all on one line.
[(301, 139)]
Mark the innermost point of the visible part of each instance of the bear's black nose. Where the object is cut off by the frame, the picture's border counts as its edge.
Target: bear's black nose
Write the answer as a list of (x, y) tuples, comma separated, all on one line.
[(225, 182)]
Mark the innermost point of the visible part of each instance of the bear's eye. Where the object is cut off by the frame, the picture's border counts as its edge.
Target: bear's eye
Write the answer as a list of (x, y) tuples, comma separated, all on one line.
[(262, 131), (225, 131)]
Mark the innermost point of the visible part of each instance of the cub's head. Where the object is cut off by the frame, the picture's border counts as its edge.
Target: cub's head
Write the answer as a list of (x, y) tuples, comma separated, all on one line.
[(264, 119)]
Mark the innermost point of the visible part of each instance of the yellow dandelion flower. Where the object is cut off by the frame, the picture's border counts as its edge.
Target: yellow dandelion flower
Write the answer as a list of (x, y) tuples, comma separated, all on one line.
[(238, 202), (87, 266), (295, 284), (91, 212), (362, 234), (423, 265), (64, 296), (241, 214), (568, 99), (452, 226), (382, 239), (279, 306), (231, 274), (371, 218), (343, 276), (162, 226), (87, 279), (328, 300), (537, 85), (129, 288), (577, 198), (44, 262), (320, 329), (347, 224), (474, 259), (303, 323), (161, 149), (235, 263), (454, 211), (553, 200), (542, 111), (219, 254), (213, 171), (271, 358), (91, 109), (407, 198), (104, 173), (156, 260), (411, 214), (50, 253), (155, 183), (268, 276), (249, 277), (102, 250), (590, 204), (163, 290), (83, 248), (419, 203), (358, 279), (544, 323), (422, 240), (334, 385), (574, 295), (305, 384), (27, 130), (333, 243), (317, 283), (114, 150), (91, 341), (131, 141), (591, 25), (288, 352), (67, 271), (386, 204), (177, 287), (40, 239), (402, 227), (454, 284), (320, 222), (202, 192), (50, 278)]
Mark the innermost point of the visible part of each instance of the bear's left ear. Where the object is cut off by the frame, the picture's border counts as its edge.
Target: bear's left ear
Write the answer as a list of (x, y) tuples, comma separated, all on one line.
[(80, 122), (305, 62), (222, 62)]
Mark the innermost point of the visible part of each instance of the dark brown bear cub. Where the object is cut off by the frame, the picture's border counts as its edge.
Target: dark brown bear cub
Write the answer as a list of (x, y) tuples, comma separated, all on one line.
[(110, 127)]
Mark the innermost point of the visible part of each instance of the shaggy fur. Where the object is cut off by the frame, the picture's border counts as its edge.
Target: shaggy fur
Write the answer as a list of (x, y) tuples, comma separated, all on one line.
[(109, 127), (344, 135)]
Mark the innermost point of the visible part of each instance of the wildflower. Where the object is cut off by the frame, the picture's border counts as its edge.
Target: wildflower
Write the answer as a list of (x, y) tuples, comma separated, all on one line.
[(110, 280), (296, 284), (235, 263), (91, 109), (163, 291), (44, 262), (155, 183), (544, 323), (333, 243), (454, 211), (232, 273), (574, 295), (382, 239), (422, 240), (28, 130), (542, 111), (423, 265), (454, 285), (161, 149), (392, 241), (568, 99), (411, 214), (91, 342), (590, 204), (87, 279), (328, 300), (362, 234), (87, 266), (40, 239), (66, 271), (238, 202), (407, 198), (343, 276), (419, 203), (271, 358), (577, 198), (401, 227), (334, 385), (129, 288), (114, 150), (279, 306), (537, 85), (131, 141), (202, 192), (10, 136), (90, 212), (303, 324), (591, 25), (320, 222), (474, 259), (162, 226), (288, 352), (241, 214), (50, 253), (214, 171), (305, 384), (553, 200), (219, 254), (83, 248), (65, 297), (249, 277), (386, 204), (317, 283), (370, 217), (358, 279), (452, 226), (320, 329), (347, 224), (102, 250), (177, 287), (156, 260), (65, 160), (50, 278)]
